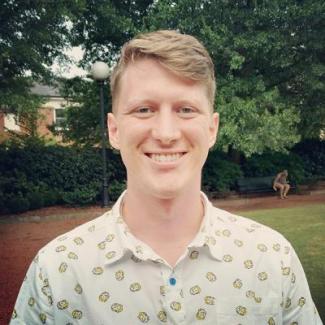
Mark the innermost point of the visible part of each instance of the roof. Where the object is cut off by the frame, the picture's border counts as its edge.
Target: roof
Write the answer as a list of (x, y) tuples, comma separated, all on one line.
[(45, 90)]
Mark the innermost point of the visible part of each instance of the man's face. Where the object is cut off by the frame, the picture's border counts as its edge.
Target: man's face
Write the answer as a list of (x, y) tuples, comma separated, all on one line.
[(163, 127)]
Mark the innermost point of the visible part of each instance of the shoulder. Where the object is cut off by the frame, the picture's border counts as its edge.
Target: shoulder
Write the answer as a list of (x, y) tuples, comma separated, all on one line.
[(252, 245), (84, 238), (248, 231)]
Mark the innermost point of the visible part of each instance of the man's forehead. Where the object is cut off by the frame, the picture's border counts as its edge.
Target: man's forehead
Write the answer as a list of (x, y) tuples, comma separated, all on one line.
[(143, 72)]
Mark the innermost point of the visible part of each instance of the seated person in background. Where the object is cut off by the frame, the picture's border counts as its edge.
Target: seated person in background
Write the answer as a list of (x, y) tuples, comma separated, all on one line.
[(280, 182)]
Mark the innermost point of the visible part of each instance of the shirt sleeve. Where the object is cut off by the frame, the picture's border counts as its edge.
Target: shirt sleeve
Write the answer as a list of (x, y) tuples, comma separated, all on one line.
[(34, 302), (298, 307)]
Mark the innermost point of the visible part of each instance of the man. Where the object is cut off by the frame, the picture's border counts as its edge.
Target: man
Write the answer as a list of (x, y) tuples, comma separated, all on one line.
[(280, 182), (164, 254)]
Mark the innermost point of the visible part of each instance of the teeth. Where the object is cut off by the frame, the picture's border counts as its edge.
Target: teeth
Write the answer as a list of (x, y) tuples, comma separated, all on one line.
[(165, 157)]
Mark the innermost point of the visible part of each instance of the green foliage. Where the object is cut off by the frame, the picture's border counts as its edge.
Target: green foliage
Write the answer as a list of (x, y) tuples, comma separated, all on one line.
[(257, 124), (271, 163), (82, 125), (219, 174), (50, 197), (32, 34), (258, 50), (36, 175), (268, 59), (305, 161), (312, 153), (16, 204), (83, 195), (102, 27), (115, 188), (269, 64), (35, 200)]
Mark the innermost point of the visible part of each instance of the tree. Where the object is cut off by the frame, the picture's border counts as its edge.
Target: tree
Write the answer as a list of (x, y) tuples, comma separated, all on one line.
[(268, 57), (102, 26), (305, 86), (263, 52), (32, 34), (81, 125)]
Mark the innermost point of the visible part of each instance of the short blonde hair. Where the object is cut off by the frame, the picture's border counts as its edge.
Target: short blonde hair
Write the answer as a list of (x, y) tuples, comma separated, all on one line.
[(180, 53)]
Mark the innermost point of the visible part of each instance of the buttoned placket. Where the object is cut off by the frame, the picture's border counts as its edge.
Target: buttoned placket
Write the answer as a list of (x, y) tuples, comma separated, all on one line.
[(171, 292)]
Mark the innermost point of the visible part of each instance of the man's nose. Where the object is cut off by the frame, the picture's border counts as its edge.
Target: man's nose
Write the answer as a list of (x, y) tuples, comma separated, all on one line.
[(166, 128)]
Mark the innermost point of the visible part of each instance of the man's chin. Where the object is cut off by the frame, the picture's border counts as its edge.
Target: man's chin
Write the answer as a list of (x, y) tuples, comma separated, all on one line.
[(166, 192)]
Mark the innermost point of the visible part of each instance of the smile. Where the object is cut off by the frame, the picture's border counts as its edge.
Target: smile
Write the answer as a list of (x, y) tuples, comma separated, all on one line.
[(165, 157)]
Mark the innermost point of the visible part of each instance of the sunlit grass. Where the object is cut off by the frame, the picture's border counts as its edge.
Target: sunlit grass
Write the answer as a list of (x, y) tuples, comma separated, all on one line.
[(304, 227)]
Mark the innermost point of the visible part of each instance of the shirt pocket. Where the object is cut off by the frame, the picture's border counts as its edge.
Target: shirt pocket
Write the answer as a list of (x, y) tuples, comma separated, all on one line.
[(241, 311)]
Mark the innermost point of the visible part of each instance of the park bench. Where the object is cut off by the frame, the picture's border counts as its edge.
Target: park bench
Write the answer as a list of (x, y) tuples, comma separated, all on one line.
[(255, 184), (252, 185)]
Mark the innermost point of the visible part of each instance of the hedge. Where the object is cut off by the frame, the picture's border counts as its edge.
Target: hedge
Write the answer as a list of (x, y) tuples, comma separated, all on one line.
[(219, 173), (270, 164), (305, 162), (36, 175)]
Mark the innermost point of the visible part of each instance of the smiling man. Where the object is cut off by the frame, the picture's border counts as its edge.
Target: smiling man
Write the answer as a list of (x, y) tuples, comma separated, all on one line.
[(164, 254)]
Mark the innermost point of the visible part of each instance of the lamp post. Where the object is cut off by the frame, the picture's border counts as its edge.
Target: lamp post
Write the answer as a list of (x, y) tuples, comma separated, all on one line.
[(100, 73)]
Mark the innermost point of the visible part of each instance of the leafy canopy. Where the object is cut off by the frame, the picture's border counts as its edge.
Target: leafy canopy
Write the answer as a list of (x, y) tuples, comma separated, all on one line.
[(268, 57), (32, 34)]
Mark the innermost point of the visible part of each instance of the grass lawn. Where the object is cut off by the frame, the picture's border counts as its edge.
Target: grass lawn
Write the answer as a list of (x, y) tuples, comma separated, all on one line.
[(304, 227)]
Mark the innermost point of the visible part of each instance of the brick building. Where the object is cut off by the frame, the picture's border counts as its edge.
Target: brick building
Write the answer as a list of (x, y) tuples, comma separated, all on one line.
[(51, 112)]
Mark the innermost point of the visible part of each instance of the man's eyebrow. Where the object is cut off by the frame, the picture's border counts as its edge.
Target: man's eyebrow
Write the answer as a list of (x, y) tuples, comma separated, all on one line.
[(189, 102), (139, 101), (177, 101)]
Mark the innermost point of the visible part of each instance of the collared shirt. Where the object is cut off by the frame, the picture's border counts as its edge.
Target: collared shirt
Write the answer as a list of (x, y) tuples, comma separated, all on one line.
[(235, 271)]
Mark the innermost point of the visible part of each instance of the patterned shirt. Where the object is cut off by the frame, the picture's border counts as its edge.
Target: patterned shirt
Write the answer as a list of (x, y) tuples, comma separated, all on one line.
[(235, 271)]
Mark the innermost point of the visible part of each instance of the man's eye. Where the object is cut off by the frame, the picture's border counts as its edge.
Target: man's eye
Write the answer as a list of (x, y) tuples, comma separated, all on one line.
[(187, 111), (144, 110)]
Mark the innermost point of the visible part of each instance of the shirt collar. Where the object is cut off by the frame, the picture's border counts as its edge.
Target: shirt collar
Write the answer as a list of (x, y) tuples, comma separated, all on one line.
[(126, 243), (206, 236)]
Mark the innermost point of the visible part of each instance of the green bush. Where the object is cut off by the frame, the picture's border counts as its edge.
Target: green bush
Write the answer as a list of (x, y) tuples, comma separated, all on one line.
[(36, 175), (270, 163), (115, 188), (219, 174), (50, 198), (312, 153), (35, 199), (80, 196), (305, 162), (17, 204)]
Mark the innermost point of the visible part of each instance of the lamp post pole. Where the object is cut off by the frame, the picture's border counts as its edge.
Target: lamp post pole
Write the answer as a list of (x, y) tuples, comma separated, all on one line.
[(100, 72)]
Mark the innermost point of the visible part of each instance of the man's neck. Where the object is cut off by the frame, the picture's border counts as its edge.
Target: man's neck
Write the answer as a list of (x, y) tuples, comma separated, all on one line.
[(166, 225)]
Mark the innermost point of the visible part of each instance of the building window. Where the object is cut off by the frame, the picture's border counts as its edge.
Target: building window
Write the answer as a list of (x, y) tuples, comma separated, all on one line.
[(11, 122), (59, 118)]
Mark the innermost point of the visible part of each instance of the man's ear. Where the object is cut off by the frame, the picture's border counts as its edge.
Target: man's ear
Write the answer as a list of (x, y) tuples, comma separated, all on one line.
[(113, 134), (213, 129)]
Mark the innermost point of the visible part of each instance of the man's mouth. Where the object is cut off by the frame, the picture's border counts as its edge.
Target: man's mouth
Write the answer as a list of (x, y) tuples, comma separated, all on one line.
[(165, 157)]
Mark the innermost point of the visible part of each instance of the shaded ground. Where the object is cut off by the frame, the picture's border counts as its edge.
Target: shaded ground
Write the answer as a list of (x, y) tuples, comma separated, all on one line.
[(22, 236)]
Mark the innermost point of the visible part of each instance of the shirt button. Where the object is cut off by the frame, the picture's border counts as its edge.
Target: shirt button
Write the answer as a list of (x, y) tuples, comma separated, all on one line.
[(172, 281)]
